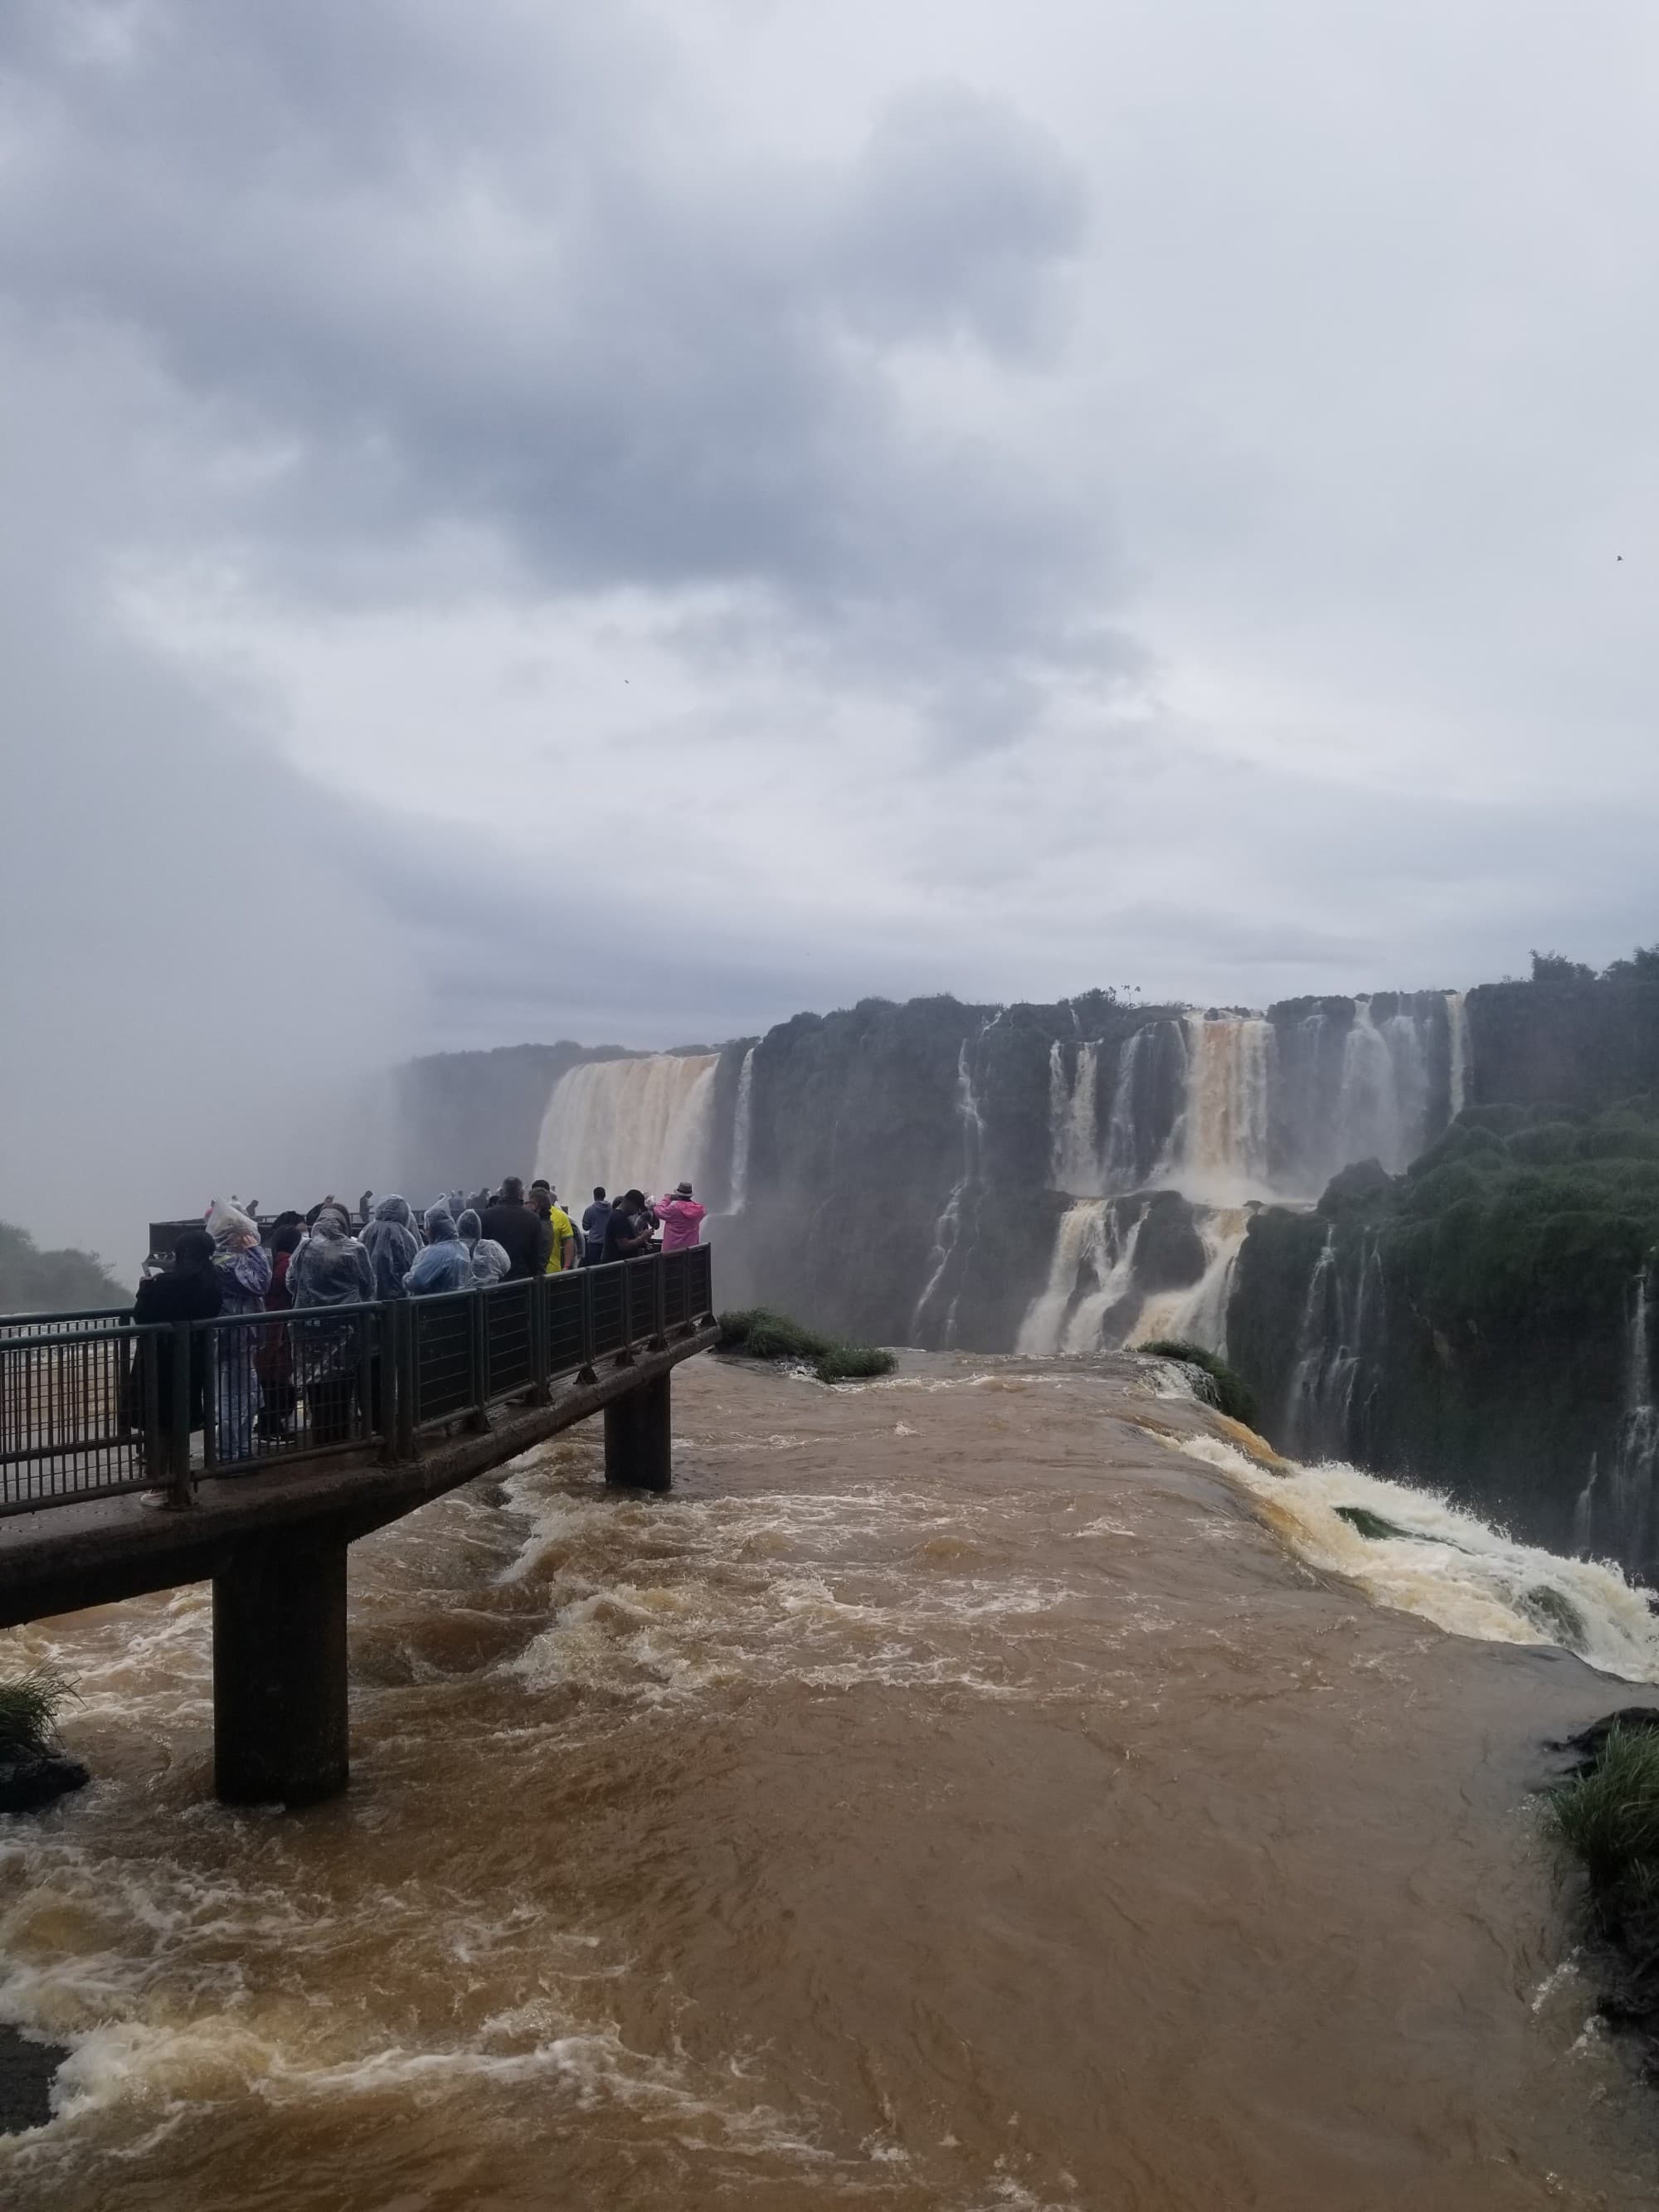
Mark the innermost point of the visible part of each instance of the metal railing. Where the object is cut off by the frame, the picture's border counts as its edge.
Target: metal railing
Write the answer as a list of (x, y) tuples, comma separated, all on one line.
[(92, 1404)]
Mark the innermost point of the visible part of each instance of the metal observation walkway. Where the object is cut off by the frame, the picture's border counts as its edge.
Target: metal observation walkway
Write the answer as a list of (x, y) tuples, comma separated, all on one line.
[(317, 1426)]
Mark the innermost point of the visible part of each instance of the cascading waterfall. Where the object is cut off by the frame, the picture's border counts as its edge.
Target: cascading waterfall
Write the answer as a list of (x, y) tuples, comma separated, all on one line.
[(1383, 1105), (1122, 1131), (947, 1230), (1637, 1461), (743, 1132), (1221, 1149), (1457, 1041), (622, 1122), (1341, 1323), (1092, 1270), (1074, 1144), (1198, 1315)]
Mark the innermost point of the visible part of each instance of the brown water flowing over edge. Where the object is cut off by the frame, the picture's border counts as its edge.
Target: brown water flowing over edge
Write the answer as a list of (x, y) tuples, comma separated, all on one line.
[(956, 1795)]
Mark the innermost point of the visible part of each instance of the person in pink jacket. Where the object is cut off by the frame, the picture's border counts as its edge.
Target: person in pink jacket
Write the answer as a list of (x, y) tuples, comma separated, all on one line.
[(682, 1219)]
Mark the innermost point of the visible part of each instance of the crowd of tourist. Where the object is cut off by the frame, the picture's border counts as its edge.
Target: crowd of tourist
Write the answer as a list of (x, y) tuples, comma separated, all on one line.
[(335, 1256)]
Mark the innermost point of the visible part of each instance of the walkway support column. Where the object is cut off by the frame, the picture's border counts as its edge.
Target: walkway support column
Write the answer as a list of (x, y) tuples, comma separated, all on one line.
[(637, 1450), (279, 1674)]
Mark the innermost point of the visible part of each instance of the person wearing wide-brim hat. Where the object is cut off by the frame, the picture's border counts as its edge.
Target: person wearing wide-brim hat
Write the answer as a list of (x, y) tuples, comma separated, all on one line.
[(682, 1217)]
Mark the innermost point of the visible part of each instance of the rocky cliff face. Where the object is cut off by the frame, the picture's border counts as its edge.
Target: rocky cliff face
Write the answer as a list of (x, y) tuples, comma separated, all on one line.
[(1484, 1322), (947, 1173), (1589, 1043)]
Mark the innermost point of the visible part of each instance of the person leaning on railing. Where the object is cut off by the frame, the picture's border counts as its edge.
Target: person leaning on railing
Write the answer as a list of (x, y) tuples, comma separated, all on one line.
[(447, 1262), (331, 1268), (189, 1291), (489, 1262), (243, 1266)]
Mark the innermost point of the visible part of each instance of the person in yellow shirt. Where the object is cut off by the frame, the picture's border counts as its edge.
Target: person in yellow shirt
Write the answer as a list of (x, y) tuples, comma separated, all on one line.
[(565, 1248)]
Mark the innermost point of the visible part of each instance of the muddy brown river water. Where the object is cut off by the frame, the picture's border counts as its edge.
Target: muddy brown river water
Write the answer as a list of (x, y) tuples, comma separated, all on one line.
[(986, 1790)]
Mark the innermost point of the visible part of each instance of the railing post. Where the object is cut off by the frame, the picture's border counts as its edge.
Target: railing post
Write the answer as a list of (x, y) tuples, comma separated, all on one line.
[(397, 1380), (368, 1344), (209, 1395), (587, 1373), (659, 1299), (147, 1368), (408, 1385), (479, 1416), (540, 1298), (179, 1494)]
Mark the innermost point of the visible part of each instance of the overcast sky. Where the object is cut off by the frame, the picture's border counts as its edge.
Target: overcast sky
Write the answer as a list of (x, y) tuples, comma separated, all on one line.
[(521, 518)]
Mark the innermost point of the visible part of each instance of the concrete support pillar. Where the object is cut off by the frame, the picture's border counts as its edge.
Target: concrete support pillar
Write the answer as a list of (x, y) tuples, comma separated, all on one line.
[(279, 1674), (637, 1451)]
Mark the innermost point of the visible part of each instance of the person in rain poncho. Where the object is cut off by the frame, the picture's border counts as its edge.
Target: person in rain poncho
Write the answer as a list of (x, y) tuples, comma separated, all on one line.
[(445, 1264), (390, 1243), (331, 1268), (489, 1260), (243, 1266)]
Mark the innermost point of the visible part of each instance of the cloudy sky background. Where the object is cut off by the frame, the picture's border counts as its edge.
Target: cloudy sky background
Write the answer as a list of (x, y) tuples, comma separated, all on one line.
[(522, 519)]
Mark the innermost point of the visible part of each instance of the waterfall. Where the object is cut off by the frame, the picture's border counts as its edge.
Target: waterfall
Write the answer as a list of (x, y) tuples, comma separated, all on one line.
[(1091, 1270), (1340, 1328), (1074, 1142), (1222, 1147), (1637, 1461), (1122, 1168), (1198, 1315), (627, 1122), (1457, 1037), (947, 1230), (1312, 1340), (742, 1132)]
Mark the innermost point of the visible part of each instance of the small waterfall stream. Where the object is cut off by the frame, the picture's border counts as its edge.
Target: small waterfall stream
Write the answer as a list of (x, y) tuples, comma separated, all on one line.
[(1073, 1110), (948, 1230), (743, 1133)]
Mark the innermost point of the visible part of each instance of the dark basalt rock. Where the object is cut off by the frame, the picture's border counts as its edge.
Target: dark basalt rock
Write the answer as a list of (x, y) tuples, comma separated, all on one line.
[(1588, 1741), (1168, 1252), (26, 1784), (26, 2070)]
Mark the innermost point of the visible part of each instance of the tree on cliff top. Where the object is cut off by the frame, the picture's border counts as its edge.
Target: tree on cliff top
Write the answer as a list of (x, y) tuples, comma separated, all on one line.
[(34, 1281), (1556, 968)]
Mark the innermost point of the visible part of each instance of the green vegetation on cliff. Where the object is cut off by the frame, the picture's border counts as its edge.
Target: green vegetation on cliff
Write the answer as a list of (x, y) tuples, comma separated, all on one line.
[(29, 1706), (34, 1281), (1470, 1321), (1227, 1390), (761, 1334)]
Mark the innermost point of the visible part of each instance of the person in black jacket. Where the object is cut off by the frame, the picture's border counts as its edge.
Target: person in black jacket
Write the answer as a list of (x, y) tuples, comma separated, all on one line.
[(511, 1224), (628, 1232), (189, 1291)]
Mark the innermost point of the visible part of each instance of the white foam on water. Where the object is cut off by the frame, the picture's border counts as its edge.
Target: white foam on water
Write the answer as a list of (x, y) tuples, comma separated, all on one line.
[(1449, 1567)]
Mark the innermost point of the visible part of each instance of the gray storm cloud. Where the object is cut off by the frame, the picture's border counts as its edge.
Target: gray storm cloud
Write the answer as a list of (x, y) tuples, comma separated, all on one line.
[(937, 499)]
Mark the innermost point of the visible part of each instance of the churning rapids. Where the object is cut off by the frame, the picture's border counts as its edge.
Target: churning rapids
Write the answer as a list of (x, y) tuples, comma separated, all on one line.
[(993, 1786)]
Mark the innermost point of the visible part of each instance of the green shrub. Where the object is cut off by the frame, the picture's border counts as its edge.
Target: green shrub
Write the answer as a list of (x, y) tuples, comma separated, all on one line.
[(1229, 1393), (851, 1362), (759, 1333), (1609, 1818), (29, 1706)]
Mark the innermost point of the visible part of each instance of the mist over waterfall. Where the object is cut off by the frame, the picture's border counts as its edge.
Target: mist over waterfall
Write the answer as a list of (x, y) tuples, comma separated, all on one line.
[(622, 1122)]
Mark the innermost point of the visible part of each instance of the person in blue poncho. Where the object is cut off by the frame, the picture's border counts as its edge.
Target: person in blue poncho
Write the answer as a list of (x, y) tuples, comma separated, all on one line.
[(445, 1264)]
